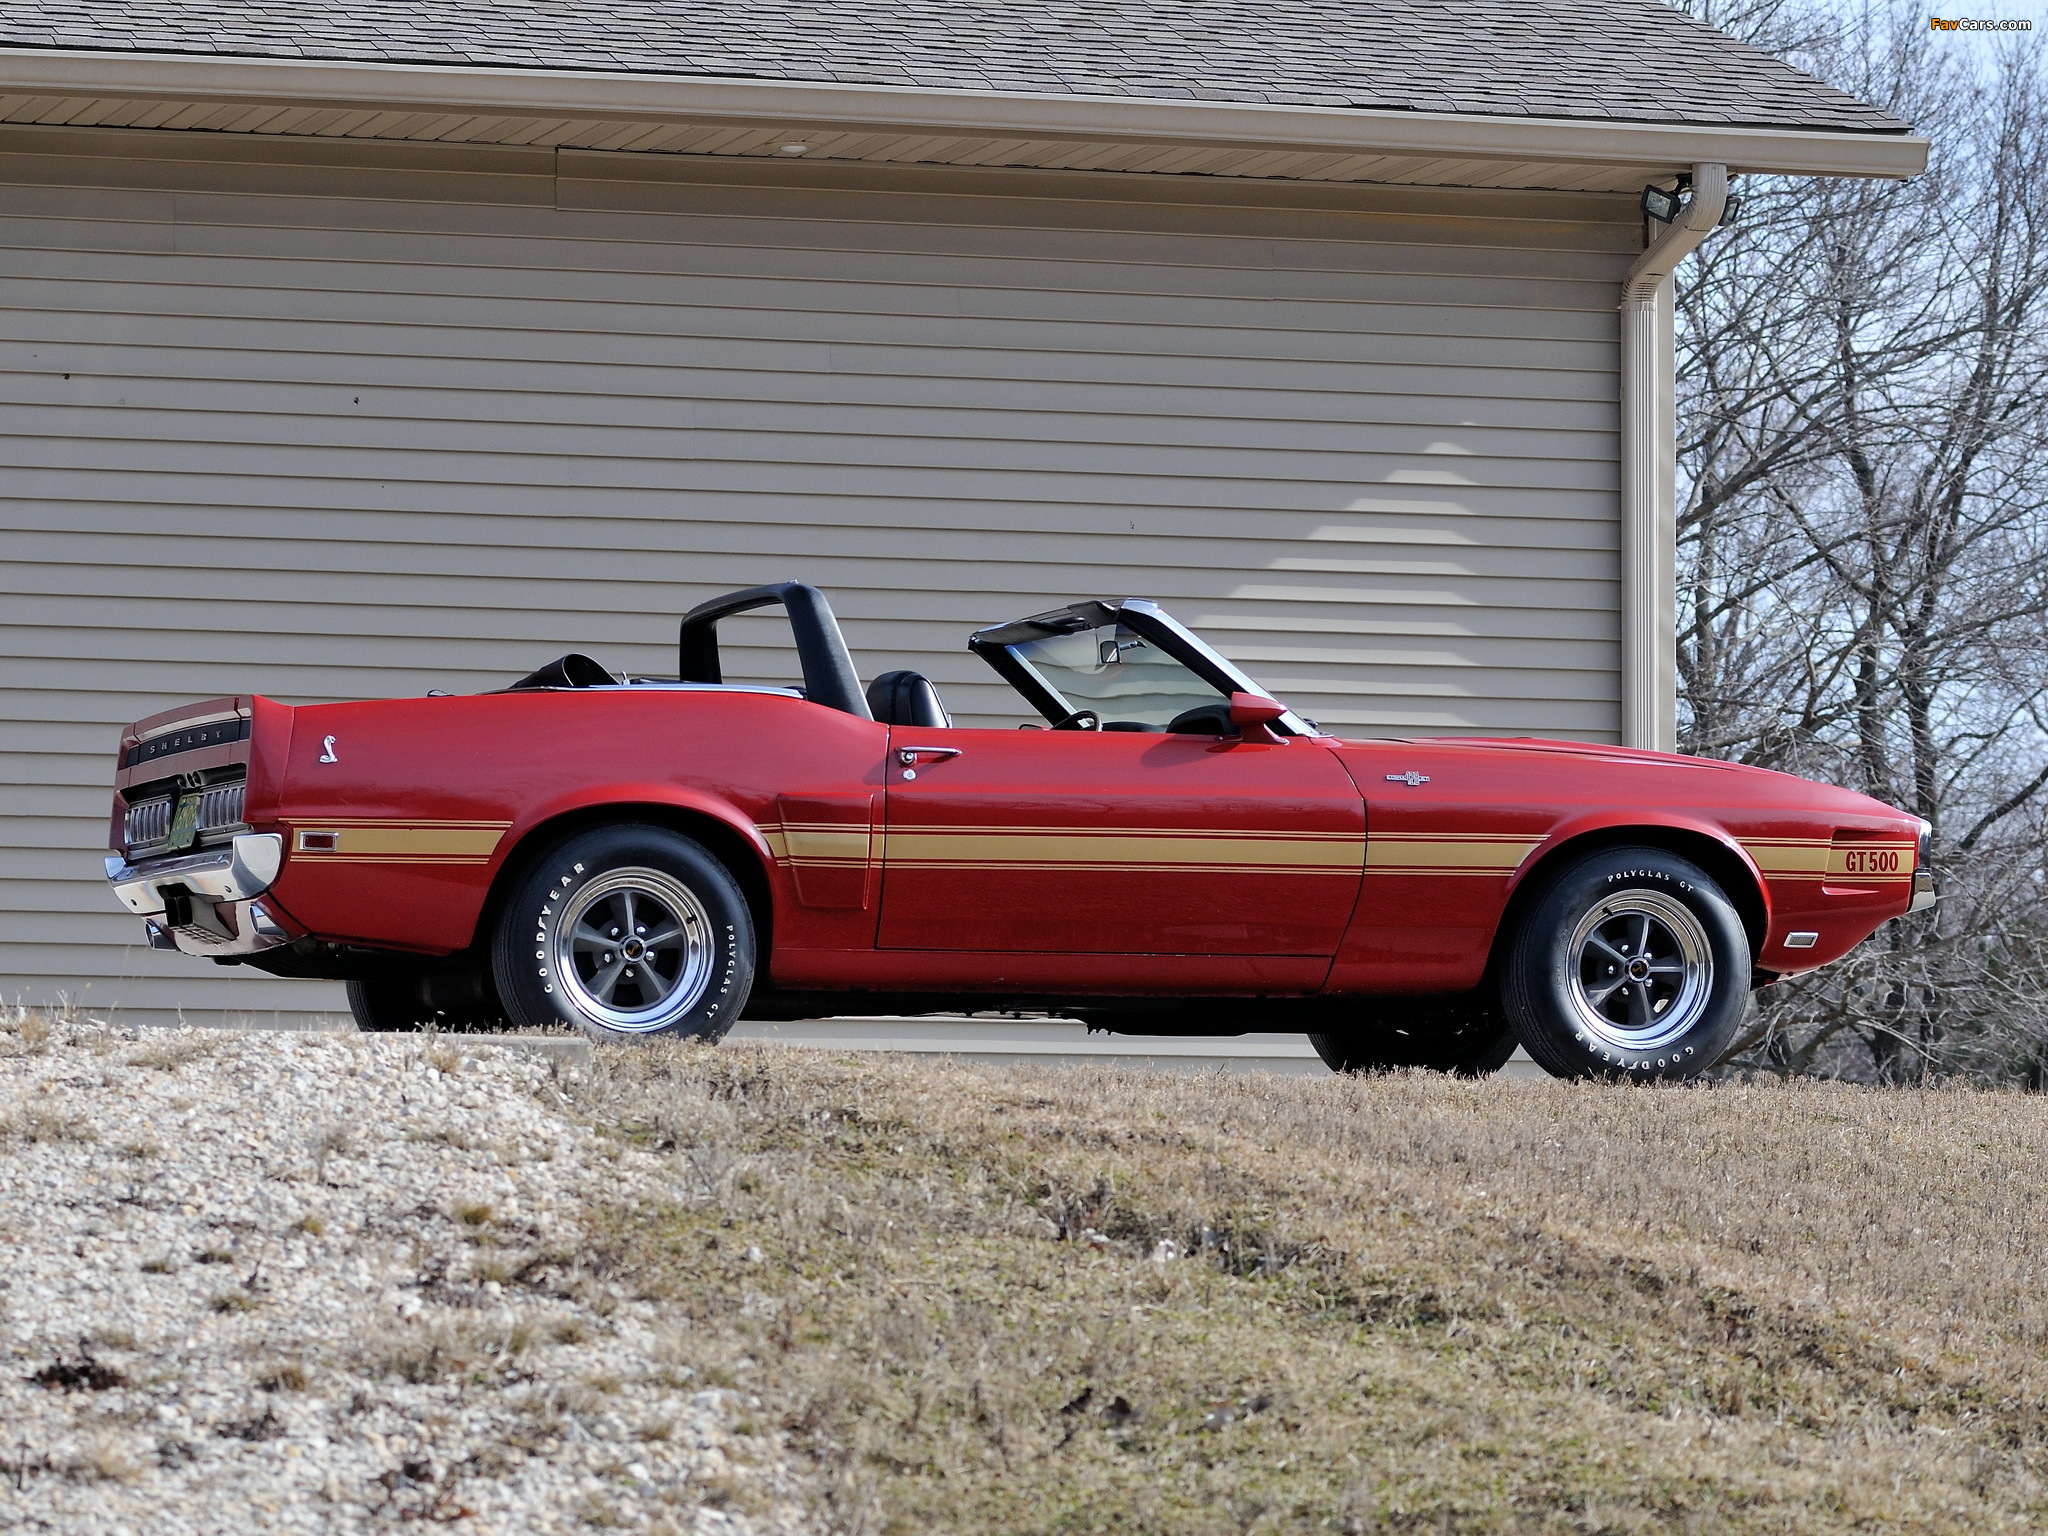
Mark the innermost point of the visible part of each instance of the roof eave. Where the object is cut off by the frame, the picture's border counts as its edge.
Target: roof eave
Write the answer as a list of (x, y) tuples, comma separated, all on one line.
[(669, 98)]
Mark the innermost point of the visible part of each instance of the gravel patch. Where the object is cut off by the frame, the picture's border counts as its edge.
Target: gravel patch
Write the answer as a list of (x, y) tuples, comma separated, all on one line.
[(306, 1282)]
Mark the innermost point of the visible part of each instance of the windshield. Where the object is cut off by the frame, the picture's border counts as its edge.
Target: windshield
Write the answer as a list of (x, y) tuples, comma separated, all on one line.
[(1120, 675)]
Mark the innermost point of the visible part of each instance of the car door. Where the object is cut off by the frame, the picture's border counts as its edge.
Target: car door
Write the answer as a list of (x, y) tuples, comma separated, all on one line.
[(1117, 842)]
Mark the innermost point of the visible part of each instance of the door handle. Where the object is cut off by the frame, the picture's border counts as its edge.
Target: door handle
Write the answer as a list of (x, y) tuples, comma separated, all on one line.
[(908, 756)]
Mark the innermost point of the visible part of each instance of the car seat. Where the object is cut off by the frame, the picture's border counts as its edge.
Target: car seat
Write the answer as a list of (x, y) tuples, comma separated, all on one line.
[(907, 698)]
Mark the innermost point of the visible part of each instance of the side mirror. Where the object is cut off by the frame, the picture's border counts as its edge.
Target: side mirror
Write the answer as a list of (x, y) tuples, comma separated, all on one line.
[(1253, 715)]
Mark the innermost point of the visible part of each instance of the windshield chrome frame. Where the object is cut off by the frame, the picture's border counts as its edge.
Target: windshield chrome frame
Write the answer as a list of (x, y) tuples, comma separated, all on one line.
[(1140, 615)]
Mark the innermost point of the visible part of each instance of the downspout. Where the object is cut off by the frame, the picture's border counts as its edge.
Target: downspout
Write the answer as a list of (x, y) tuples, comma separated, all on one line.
[(1649, 483)]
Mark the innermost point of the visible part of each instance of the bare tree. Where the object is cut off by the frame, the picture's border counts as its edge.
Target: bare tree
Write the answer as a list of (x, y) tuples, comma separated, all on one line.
[(1864, 534)]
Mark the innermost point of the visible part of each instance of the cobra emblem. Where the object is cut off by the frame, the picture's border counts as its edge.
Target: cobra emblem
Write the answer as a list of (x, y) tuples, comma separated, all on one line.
[(327, 751)]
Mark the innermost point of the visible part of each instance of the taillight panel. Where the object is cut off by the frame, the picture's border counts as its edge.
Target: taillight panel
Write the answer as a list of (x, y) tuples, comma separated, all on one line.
[(152, 823)]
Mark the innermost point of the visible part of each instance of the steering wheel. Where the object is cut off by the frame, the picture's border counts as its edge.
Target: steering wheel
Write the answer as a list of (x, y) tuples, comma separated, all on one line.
[(1079, 720)]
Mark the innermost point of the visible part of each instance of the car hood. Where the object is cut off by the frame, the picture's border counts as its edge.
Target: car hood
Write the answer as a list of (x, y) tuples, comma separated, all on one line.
[(1754, 783), (1543, 745)]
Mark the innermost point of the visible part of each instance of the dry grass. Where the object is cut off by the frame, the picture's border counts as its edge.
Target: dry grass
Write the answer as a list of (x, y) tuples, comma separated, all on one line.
[(32, 1031), (473, 1213), (289, 1376), (333, 1142), (106, 1460), (476, 1349), (170, 1051), (42, 1122), (983, 1300)]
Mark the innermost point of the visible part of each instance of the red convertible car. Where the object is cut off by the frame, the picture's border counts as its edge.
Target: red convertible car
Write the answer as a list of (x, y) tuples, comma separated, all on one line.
[(1170, 852)]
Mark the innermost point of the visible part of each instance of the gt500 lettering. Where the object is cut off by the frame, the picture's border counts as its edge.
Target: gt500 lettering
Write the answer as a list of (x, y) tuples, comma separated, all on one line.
[(1870, 861)]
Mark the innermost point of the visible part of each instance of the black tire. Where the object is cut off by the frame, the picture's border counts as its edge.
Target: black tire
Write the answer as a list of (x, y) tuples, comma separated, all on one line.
[(456, 1002), (1629, 964), (1468, 1035), (600, 886), (385, 1007)]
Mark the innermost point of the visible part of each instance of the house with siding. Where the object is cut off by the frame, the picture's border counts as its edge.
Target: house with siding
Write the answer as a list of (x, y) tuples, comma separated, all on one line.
[(349, 349)]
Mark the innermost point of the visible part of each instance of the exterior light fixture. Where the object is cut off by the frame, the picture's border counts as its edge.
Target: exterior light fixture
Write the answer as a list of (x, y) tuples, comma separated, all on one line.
[(793, 149), (1665, 207), (1661, 205)]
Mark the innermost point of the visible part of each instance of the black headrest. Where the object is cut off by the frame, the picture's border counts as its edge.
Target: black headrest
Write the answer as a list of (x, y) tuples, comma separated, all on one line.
[(907, 698), (574, 670)]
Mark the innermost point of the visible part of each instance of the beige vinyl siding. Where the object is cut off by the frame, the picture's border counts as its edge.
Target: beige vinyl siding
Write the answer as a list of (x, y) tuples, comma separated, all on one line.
[(326, 421)]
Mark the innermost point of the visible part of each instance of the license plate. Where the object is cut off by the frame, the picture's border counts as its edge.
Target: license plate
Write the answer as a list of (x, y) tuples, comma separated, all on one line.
[(185, 824)]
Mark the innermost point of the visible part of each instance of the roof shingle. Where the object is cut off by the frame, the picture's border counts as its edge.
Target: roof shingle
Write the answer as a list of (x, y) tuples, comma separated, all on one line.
[(1618, 60)]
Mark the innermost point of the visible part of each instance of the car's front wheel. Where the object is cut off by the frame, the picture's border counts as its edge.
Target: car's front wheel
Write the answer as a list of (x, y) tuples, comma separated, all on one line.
[(1630, 963), (626, 932), (1468, 1035)]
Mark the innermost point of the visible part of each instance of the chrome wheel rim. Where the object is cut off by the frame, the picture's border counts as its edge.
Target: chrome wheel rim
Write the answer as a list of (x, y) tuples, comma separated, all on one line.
[(1642, 970), (633, 950)]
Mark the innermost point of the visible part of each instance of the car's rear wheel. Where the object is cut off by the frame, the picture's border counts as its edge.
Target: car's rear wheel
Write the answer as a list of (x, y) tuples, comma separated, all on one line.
[(1468, 1035), (385, 1007), (1630, 963), (626, 932)]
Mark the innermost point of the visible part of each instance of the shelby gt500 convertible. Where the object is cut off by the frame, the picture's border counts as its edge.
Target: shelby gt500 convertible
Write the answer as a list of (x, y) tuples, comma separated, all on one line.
[(1170, 852)]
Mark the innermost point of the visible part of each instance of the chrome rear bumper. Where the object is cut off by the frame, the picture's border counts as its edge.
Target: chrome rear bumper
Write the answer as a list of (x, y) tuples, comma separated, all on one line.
[(205, 903), (1923, 891)]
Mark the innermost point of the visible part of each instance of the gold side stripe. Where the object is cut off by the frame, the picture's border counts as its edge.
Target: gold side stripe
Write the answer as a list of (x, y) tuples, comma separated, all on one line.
[(1526, 839), (1754, 844), (387, 821), (1093, 849), (1145, 848), (358, 839), (1839, 877), (991, 829), (1490, 856), (808, 845), (1105, 866), (1178, 834), (819, 843), (1782, 860), (1824, 859), (444, 860)]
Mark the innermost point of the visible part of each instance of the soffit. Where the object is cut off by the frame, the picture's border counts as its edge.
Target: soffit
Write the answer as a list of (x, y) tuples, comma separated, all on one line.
[(897, 125)]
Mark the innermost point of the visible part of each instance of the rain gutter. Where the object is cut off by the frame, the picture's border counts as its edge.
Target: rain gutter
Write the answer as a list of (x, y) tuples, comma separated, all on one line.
[(1649, 451)]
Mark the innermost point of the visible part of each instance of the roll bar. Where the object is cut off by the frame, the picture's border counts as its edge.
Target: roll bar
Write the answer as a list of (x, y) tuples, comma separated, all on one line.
[(829, 678)]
